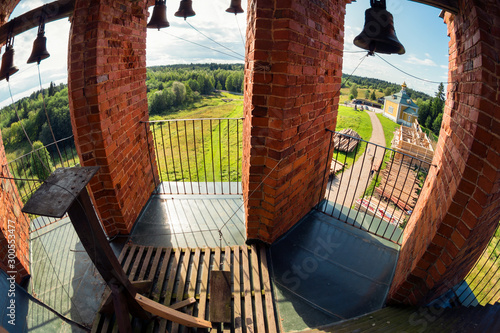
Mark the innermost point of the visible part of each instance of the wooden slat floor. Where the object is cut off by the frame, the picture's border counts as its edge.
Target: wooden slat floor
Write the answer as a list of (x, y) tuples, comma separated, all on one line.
[(181, 273)]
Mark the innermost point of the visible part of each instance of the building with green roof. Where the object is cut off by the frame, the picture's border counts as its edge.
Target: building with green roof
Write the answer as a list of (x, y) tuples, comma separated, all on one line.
[(400, 108)]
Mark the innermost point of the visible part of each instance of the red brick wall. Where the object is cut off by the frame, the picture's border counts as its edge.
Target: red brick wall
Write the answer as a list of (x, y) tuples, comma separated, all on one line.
[(6, 8), (293, 70), (13, 224), (459, 208), (107, 93)]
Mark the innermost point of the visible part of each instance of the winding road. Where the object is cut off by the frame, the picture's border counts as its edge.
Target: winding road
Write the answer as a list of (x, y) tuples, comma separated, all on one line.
[(353, 181)]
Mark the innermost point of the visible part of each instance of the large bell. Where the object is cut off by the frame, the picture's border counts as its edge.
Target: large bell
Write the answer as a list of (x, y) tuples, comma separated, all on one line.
[(39, 51), (159, 16), (185, 9), (235, 7), (378, 34), (8, 67)]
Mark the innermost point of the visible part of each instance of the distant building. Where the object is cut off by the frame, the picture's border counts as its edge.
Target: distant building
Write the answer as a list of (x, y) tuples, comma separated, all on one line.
[(400, 108)]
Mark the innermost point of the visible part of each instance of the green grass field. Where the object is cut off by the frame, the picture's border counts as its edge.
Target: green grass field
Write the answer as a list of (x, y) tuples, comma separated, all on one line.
[(191, 149), (484, 278), (358, 121)]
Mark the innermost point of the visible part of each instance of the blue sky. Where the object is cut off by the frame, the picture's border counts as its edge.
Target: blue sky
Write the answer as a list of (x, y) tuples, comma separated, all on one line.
[(418, 27)]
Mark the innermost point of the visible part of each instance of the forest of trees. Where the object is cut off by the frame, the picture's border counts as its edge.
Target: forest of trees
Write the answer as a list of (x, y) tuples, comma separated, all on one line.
[(430, 112), (170, 88), (387, 88), (178, 86)]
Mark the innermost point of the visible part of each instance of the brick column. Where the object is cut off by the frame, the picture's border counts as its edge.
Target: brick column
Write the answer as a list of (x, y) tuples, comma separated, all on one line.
[(107, 94), (14, 225), (459, 208), (293, 70)]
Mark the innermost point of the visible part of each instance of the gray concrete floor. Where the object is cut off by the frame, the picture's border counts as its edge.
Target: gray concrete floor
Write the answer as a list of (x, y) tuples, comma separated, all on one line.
[(325, 271), (63, 277), (190, 220)]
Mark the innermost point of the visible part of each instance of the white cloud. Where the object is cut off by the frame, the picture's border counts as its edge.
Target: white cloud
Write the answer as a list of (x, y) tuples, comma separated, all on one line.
[(428, 55), (417, 61)]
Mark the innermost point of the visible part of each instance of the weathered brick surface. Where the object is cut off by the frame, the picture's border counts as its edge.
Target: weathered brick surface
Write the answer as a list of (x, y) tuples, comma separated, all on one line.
[(292, 73), (14, 236), (6, 8), (107, 94), (459, 208)]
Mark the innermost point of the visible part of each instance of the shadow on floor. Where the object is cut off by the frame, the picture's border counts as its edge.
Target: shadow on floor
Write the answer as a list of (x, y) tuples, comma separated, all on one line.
[(188, 220), (325, 270)]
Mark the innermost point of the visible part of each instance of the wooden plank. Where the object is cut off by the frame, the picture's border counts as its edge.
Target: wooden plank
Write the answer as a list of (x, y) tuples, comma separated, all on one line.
[(156, 293), (194, 273), (124, 251), (169, 289), (204, 284), (266, 284), (220, 296), (182, 283), (259, 310), (137, 261), (154, 266), (145, 264), (227, 258), (165, 312), (128, 260), (247, 293), (216, 265), (181, 304), (237, 290)]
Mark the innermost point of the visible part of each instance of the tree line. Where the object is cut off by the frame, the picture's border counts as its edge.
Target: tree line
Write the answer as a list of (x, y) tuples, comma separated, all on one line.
[(171, 88), (387, 88)]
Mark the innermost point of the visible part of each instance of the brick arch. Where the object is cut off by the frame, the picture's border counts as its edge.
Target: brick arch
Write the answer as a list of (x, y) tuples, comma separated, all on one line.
[(107, 98), (459, 207)]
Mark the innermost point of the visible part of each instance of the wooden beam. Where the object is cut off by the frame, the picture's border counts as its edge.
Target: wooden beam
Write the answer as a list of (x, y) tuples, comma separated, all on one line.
[(447, 5), (165, 312), (53, 11)]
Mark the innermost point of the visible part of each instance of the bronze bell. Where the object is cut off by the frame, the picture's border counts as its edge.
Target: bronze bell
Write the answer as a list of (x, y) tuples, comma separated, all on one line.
[(185, 9), (378, 34), (39, 51), (8, 67), (235, 7), (159, 16)]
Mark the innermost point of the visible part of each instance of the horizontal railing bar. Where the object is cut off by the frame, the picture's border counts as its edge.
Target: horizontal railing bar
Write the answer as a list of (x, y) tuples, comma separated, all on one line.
[(384, 147), (172, 120), (31, 152)]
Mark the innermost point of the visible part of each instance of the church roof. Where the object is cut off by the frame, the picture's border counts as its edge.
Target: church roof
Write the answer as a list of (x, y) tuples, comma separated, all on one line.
[(401, 98)]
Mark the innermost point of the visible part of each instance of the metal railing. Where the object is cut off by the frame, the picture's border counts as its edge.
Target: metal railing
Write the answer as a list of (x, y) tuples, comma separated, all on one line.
[(373, 188), (31, 169), (198, 156), (482, 283)]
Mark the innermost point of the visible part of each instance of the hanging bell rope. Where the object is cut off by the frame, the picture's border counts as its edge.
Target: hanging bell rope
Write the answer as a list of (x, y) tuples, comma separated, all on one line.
[(159, 16), (8, 67), (39, 51), (378, 33), (185, 9)]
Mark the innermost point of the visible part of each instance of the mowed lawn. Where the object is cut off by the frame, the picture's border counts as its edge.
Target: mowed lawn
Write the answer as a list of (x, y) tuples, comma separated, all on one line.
[(358, 121), (197, 144)]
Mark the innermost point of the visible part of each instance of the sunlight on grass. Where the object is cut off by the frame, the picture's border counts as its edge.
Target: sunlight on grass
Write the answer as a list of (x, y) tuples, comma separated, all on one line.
[(358, 121)]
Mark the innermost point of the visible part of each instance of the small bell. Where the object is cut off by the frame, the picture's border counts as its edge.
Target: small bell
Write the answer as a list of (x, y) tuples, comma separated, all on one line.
[(185, 9), (159, 16), (378, 34), (235, 7), (39, 51), (8, 67)]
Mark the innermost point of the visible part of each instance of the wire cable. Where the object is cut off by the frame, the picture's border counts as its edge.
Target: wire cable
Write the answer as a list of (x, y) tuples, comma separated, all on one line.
[(282, 159), (206, 47), (47, 115), (239, 29), (413, 76), (216, 42)]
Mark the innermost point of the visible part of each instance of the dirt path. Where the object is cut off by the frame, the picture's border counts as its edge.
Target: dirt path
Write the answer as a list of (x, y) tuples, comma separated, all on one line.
[(355, 179)]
